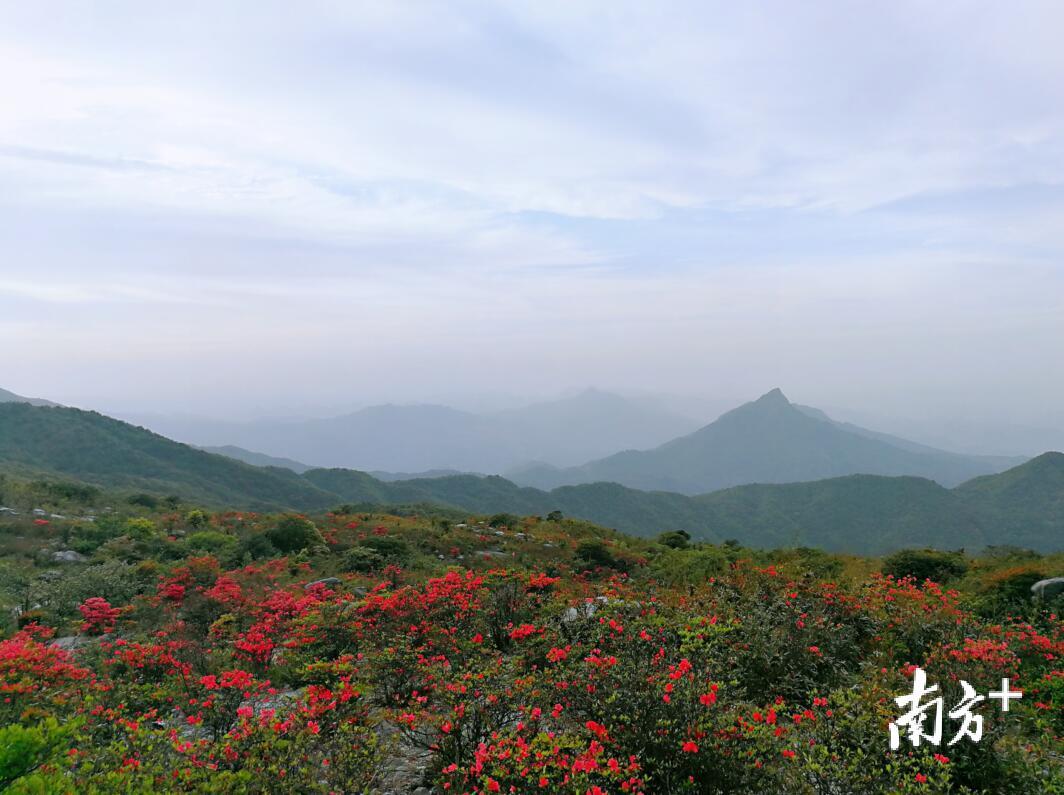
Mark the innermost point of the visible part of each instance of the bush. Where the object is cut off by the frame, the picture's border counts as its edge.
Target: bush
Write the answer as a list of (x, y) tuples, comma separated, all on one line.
[(294, 533), (392, 550), (139, 529), (362, 559), (675, 539), (144, 500), (593, 553), (211, 541), (925, 564)]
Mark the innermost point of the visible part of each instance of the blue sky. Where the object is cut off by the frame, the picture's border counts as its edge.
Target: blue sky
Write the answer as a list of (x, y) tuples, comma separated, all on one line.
[(210, 206)]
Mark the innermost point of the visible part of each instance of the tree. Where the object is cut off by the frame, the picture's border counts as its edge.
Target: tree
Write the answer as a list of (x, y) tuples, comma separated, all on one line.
[(675, 539), (925, 564), (294, 533)]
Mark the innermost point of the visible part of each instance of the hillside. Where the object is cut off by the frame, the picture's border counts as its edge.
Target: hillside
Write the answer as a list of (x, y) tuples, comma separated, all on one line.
[(769, 440), (1024, 505), (11, 397), (870, 514), (100, 450)]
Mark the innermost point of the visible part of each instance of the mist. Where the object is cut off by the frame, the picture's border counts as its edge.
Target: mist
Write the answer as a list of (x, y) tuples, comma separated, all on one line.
[(322, 209)]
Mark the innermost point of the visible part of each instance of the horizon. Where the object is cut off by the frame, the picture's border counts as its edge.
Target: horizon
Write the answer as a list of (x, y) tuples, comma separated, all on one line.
[(333, 207)]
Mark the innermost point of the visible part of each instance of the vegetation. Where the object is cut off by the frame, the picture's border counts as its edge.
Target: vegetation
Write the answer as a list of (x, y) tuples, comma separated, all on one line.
[(228, 651), (50, 451)]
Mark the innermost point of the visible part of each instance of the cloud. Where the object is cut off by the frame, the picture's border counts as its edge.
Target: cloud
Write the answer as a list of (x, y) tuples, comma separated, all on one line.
[(574, 189)]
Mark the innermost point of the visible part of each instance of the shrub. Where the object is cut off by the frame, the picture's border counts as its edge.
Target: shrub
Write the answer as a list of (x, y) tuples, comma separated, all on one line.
[(392, 550), (211, 541), (675, 539), (925, 564), (294, 533), (362, 559)]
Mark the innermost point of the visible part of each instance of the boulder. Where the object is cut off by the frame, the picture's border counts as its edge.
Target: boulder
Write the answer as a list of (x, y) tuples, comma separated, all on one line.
[(328, 582), (1047, 590), (68, 556)]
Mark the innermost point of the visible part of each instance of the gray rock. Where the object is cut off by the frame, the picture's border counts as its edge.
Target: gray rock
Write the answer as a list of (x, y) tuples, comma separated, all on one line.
[(70, 642), (68, 556), (586, 610), (328, 582), (1047, 590)]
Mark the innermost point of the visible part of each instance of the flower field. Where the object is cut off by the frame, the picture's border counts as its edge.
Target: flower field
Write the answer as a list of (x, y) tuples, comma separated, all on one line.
[(356, 652)]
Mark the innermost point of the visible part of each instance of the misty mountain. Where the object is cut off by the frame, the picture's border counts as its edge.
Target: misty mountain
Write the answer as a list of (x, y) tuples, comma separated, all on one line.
[(769, 440), (257, 459), (857, 513), (11, 397), (419, 438)]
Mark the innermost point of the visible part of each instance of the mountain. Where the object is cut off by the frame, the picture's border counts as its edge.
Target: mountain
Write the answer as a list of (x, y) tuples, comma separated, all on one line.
[(107, 452), (11, 397), (868, 514), (1025, 505), (257, 459), (420, 438), (769, 440)]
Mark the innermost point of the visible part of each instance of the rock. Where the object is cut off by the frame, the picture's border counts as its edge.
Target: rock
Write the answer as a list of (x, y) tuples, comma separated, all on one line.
[(586, 610), (68, 556), (328, 582), (1047, 590), (70, 642)]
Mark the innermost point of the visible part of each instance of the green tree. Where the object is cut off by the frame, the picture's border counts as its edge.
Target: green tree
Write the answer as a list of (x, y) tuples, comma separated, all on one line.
[(294, 533), (675, 539), (925, 564)]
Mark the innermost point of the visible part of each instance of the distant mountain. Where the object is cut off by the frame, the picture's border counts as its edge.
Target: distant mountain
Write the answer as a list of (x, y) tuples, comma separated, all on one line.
[(257, 459), (769, 440), (390, 477), (419, 438), (859, 513), (11, 397)]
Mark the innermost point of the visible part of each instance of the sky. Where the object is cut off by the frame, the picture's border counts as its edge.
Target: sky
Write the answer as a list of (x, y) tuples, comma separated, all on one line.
[(243, 208)]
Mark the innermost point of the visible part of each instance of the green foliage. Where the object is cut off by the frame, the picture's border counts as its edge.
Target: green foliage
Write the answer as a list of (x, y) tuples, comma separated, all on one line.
[(389, 549), (211, 541), (362, 559), (592, 553), (675, 539), (139, 528), (925, 564), (23, 749), (144, 500), (690, 566), (293, 533), (863, 514)]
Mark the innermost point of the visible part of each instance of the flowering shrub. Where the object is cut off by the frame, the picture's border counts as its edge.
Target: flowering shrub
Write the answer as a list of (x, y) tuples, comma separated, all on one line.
[(584, 666)]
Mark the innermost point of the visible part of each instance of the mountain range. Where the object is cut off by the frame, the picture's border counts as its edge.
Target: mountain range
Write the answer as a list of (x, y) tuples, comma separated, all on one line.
[(769, 440), (418, 438), (857, 513)]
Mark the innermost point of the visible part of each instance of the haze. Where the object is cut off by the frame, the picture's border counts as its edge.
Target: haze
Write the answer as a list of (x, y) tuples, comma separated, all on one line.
[(255, 208)]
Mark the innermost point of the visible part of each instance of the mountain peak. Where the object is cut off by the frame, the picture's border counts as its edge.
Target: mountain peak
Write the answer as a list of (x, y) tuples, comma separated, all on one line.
[(775, 396)]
